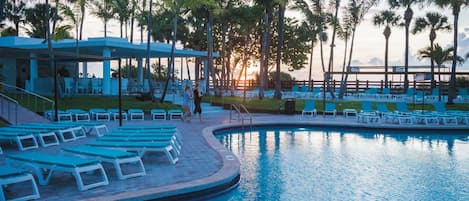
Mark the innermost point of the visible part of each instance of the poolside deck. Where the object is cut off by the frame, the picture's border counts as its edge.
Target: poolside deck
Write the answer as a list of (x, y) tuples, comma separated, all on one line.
[(203, 161)]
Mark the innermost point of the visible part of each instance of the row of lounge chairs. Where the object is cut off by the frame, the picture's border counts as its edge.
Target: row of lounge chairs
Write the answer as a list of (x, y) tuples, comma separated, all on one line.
[(99, 114), (27, 135), (411, 95), (123, 148), (402, 115)]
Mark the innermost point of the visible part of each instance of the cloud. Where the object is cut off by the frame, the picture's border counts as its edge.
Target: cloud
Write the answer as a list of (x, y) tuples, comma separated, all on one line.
[(375, 61)]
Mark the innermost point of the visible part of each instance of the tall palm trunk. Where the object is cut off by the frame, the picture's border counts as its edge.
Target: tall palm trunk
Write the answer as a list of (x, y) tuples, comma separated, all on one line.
[(147, 61), (209, 54), (82, 19), (452, 80), (344, 68), (171, 63), (386, 52), (432, 61), (2, 6), (408, 18), (264, 54), (281, 17), (331, 54), (223, 52), (310, 63)]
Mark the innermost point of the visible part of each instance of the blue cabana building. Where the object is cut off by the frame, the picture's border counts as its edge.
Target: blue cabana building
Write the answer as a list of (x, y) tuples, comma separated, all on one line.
[(24, 62)]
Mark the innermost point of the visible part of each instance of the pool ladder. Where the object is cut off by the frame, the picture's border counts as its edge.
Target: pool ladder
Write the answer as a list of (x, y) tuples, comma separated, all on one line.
[(242, 113)]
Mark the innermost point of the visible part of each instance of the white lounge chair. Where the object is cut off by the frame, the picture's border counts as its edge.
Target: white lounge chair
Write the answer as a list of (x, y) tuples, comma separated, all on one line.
[(116, 157), (10, 175), (42, 163)]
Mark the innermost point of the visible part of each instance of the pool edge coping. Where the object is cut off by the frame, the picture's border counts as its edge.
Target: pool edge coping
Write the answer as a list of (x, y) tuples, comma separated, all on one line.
[(228, 172)]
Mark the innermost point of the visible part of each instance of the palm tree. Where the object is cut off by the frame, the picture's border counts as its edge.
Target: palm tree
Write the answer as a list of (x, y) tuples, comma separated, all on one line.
[(335, 4), (15, 12), (455, 5), (265, 44), (2, 5), (435, 22), (356, 12), (312, 25), (103, 10), (209, 8), (176, 7), (408, 14), (280, 29), (388, 18), (439, 56), (121, 10), (36, 18)]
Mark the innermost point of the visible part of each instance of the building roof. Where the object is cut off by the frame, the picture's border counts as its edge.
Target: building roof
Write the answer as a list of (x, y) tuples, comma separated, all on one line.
[(91, 49)]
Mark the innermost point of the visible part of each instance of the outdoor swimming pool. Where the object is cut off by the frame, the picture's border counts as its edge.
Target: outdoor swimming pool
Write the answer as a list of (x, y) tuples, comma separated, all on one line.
[(293, 163)]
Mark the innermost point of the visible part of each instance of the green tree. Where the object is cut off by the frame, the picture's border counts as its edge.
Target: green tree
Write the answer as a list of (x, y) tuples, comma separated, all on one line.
[(103, 10), (121, 11), (36, 20), (386, 18), (434, 22), (456, 6), (439, 56), (311, 26), (15, 12), (280, 31)]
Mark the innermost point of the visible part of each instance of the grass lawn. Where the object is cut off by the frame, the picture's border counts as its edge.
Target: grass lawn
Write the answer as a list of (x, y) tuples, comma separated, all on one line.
[(277, 106)]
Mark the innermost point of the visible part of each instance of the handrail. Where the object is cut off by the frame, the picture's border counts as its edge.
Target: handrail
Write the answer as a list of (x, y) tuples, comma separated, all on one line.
[(240, 108), (23, 91), (11, 100)]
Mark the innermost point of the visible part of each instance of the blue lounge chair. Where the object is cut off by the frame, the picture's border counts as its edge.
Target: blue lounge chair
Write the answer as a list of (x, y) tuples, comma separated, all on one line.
[(330, 109), (175, 113), (100, 114), (158, 114), (114, 112), (79, 114), (136, 114), (367, 107), (65, 133), (141, 148), (316, 92), (310, 108), (10, 175), (463, 94), (116, 157), (152, 127), (385, 93), (42, 163), (61, 115), (98, 128), (401, 108), (21, 136)]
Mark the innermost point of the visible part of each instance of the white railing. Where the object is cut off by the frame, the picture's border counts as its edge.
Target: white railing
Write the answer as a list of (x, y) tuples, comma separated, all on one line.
[(242, 113), (27, 99), (6, 109)]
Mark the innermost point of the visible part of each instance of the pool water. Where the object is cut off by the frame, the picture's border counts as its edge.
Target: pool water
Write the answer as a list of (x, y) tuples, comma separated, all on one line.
[(346, 164)]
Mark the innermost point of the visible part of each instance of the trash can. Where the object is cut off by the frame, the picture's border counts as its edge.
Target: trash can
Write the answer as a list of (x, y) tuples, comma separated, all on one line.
[(290, 106)]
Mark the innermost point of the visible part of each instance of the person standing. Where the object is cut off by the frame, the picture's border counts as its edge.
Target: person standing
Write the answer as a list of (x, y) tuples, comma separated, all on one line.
[(197, 101), (186, 104)]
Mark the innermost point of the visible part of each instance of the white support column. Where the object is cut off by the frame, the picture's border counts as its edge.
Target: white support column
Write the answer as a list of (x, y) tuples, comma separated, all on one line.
[(85, 69), (107, 72), (206, 75), (139, 71), (32, 71)]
